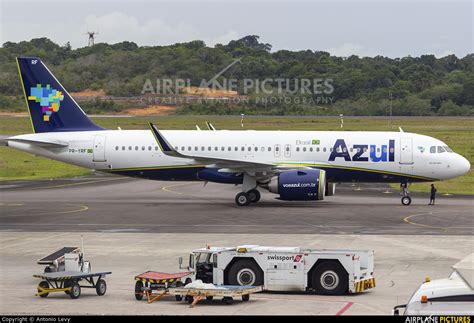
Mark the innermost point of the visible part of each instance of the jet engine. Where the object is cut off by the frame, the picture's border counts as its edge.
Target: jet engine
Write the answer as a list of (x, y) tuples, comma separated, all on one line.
[(299, 185)]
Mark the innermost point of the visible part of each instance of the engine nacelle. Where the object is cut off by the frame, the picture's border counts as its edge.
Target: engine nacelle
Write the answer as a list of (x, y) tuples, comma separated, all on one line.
[(302, 185), (330, 189)]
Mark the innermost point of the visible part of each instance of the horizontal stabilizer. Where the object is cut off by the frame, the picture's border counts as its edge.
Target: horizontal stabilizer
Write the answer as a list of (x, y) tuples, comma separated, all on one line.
[(39, 143)]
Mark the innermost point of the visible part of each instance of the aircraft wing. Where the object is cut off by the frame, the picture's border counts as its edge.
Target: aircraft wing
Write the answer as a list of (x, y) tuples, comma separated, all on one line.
[(224, 164)]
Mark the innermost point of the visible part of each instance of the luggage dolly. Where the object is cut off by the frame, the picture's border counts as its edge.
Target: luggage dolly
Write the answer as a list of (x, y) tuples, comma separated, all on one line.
[(227, 292), (68, 282), (150, 281)]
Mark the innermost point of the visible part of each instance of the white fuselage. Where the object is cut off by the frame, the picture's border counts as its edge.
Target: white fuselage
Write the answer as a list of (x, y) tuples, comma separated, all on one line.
[(356, 156)]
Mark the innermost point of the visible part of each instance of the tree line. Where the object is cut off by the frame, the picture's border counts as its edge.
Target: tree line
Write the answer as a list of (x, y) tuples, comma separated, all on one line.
[(423, 85)]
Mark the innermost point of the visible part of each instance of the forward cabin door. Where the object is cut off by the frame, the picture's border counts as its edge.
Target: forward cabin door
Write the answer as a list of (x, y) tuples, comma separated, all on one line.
[(99, 149), (406, 151)]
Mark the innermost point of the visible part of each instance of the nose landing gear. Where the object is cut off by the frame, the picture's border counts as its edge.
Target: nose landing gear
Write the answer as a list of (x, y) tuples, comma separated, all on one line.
[(406, 200)]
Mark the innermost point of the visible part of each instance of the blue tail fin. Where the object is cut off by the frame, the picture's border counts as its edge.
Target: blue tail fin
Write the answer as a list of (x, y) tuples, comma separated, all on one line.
[(51, 108)]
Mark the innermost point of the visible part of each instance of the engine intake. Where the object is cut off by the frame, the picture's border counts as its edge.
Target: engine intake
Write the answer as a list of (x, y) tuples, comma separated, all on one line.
[(302, 185)]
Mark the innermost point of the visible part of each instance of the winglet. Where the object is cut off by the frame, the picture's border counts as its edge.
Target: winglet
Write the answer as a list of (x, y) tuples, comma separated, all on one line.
[(162, 142), (210, 126)]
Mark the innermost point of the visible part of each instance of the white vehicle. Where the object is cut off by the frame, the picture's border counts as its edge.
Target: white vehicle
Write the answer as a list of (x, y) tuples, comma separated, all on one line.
[(65, 259), (328, 272), (448, 296), (295, 165)]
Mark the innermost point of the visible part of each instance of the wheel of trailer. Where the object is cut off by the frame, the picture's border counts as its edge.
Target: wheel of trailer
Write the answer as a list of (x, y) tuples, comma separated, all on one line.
[(245, 273), (246, 298), (242, 199), (406, 200), (67, 284), (254, 195), (228, 300), (75, 290), (43, 284), (100, 287), (209, 298), (178, 298), (330, 278), (189, 299), (139, 290)]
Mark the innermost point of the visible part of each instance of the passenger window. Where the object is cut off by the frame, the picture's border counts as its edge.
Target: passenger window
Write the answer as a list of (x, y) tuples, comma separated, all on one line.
[(250, 149), (242, 148), (143, 148), (129, 147), (116, 147), (189, 148), (256, 148), (441, 150), (378, 149), (330, 149), (136, 147), (202, 148), (196, 148), (182, 148), (304, 148), (123, 147), (311, 149), (317, 149), (236, 148), (216, 149), (149, 147), (433, 149), (156, 147), (262, 149), (222, 148), (229, 148), (392, 150), (297, 148), (269, 148), (324, 149), (384, 149), (209, 148)]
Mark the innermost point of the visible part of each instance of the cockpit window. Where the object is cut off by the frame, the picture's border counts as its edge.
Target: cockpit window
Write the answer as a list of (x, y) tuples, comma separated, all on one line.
[(449, 150), (441, 149), (433, 149)]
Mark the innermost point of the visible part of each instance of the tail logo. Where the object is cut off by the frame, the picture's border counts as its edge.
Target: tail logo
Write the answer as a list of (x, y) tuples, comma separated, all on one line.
[(48, 98)]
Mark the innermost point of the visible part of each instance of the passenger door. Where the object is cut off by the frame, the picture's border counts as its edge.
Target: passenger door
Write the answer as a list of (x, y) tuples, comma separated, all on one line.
[(406, 151), (99, 149)]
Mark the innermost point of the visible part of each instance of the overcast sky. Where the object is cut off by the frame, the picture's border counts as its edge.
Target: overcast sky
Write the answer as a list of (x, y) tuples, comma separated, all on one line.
[(364, 28)]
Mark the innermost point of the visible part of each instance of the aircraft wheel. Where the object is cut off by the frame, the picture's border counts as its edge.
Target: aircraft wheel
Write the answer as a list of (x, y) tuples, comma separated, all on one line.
[(242, 199), (254, 195), (406, 200)]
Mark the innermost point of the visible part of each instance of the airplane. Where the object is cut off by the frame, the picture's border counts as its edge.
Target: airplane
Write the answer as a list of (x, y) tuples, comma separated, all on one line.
[(295, 165)]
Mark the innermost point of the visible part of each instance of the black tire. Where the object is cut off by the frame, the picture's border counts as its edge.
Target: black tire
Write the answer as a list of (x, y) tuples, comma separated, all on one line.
[(101, 287), (139, 290), (43, 284), (67, 284), (189, 299), (188, 281), (330, 278), (254, 195), (178, 298), (209, 298), (75, 291), (246, 298), (47, 269), (406, 200), (228, 300), (242, 199), (245, 273)]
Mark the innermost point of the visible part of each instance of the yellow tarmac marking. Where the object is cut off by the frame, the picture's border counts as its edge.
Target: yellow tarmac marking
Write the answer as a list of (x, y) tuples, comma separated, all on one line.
[(11, 204), (407, 220), (167, 189), (76, 184), (80, 208)]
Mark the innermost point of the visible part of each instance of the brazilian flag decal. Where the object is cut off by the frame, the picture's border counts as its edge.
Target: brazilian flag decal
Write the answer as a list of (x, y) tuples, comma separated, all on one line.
[(315, 142)]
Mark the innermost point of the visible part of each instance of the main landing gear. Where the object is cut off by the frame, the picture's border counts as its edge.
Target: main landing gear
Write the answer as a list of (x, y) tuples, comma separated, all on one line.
[(249, 192), (245, 198)]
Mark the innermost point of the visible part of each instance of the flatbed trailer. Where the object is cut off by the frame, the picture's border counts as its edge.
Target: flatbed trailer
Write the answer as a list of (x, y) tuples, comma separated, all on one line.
[(193, 295), (68, 282), (150, 281)]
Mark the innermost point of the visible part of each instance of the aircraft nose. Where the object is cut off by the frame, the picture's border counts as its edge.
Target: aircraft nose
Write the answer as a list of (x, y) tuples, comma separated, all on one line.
[(463, 165)]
